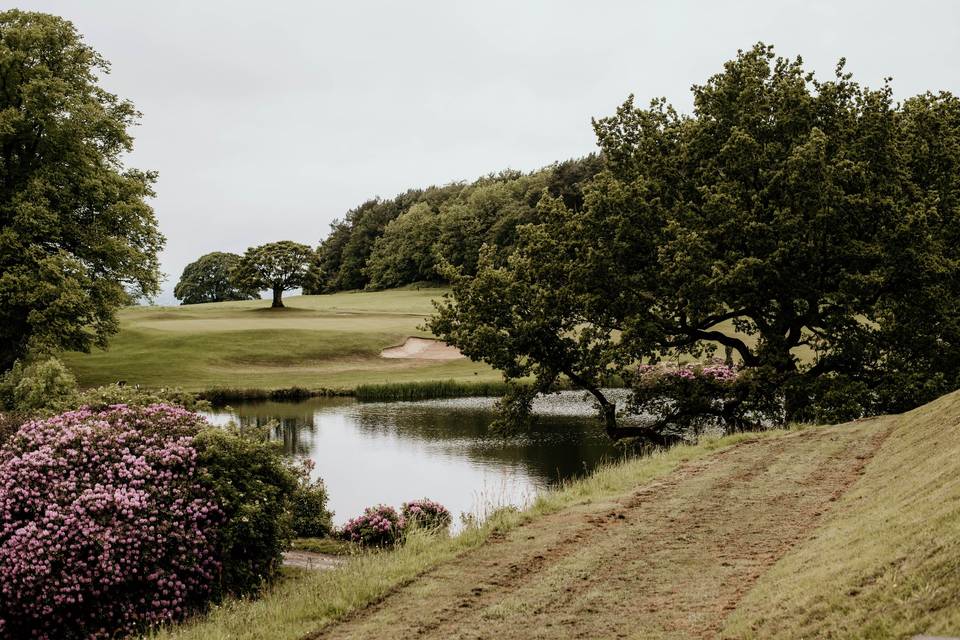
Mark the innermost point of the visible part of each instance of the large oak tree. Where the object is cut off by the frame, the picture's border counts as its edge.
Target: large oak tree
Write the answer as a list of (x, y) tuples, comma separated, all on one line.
[(77, 237), (277, 266), (810, 227)]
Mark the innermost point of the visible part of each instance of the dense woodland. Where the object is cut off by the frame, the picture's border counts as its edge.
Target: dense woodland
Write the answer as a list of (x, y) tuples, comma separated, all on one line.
[(392, 242)]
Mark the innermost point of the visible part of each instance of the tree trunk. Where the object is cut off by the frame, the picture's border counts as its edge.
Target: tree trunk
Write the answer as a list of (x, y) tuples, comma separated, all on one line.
[(277, 295), (609, 412)]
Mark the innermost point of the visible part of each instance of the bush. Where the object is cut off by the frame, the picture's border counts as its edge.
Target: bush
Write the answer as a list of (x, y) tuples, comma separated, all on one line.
[(379, 526), (105, 527), (9, 424), (684, 400), (311, 518), (47, 387), (425, 514), (254, 484), (39, 385)]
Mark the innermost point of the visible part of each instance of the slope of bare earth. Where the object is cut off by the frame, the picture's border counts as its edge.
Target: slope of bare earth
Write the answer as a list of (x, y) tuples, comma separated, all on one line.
[(672, 559)]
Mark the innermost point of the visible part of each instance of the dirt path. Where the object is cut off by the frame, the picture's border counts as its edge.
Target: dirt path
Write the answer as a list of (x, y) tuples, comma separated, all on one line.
[(670, 561)]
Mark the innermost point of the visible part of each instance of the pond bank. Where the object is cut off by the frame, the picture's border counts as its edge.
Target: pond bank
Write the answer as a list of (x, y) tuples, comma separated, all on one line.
[(306, 603), (381, 392)]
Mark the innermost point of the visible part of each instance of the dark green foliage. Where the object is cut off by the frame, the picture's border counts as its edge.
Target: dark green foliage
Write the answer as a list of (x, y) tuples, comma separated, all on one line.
[(77, 238), (209, 279), (277, 266), (254, 485), (388, 243), (220, 396), (804, 214), (311, 518)]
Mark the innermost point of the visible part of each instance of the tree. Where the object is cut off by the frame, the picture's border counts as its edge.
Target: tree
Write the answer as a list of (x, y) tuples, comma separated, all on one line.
[(404, 253), (808, 226), (208, 279), (77, 238), (278, 266)]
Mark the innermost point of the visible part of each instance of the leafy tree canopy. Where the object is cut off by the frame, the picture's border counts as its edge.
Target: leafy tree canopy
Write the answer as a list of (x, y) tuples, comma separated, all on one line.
[(77, 238), (208, 279), (386, 243), (810, 227), (278, 266)]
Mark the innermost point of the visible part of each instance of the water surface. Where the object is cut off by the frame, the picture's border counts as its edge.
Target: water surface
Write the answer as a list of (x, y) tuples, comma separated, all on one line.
[(392, 452)]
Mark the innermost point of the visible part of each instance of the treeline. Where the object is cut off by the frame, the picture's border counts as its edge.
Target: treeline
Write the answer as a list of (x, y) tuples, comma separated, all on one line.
[(393, 242)]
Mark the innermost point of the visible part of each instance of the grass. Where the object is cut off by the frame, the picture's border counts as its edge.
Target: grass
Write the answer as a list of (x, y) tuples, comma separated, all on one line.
[(426, 390), (303, 603), (330, 546), (330, 342), (881, 562), (887, 564)]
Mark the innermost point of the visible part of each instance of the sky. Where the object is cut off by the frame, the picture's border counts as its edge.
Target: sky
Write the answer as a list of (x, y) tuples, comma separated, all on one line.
[(268, 120)]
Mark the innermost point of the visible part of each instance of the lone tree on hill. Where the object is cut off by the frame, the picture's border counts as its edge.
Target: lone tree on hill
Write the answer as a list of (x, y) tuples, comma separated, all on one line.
[(77, 238), (812, 227), (208, 279), (277, 266)]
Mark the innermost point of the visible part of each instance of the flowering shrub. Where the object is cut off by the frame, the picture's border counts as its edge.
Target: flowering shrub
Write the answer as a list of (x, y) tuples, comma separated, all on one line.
[(379, 526), (105, 527), (425, 514), (683, 400)]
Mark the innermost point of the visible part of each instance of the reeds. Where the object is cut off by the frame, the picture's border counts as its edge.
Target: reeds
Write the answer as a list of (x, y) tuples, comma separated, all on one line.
[(407, 391)]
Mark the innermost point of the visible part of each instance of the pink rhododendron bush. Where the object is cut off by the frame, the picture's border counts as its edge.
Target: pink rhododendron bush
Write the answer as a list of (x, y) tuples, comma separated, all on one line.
[(425, 514), (378, 526), (684, 400), (105, 524)]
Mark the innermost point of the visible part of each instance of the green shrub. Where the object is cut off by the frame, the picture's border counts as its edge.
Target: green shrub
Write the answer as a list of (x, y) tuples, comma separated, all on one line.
[(100, 398), (255, 485), (311, 518), (44, 384), (46, 387)]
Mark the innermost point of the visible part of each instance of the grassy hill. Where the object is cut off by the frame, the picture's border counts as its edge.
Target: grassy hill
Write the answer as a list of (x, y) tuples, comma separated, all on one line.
[(330, 341), (847, 531)]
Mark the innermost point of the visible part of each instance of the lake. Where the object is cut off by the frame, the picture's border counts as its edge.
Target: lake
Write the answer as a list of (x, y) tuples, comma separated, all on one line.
[(392, 452)]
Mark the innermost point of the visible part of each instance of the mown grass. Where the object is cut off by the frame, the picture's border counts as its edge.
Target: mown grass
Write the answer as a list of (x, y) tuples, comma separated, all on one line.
[(886, 564), (304, 603), (317, 342)]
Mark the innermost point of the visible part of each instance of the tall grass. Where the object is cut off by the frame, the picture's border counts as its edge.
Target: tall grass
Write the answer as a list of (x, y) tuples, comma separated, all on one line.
[(428, 390), (221, 396)]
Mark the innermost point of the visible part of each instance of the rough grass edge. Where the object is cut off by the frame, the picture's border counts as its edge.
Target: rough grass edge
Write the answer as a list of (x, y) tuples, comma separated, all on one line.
[(301, 605)]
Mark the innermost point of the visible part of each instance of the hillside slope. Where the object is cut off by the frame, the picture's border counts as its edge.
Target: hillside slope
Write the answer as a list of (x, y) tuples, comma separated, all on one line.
[(843, 531), (331, 341), (886, 564)]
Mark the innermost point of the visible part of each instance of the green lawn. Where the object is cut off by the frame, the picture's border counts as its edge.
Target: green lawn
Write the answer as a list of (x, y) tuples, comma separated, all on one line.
[(330, 341), (848, 531)]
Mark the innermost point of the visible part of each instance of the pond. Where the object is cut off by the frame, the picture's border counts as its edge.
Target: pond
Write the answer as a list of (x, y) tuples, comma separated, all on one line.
[(392, 452)]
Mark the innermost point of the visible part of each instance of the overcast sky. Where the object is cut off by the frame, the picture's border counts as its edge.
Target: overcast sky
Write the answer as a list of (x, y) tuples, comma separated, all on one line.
[(267, 120)]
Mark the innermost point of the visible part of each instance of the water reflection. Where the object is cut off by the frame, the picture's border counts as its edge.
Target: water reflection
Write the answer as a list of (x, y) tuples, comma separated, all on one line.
[(369, 453)]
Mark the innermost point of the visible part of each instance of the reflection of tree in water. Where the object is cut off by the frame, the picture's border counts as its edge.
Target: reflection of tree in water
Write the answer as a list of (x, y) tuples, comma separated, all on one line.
[(294, 429), (554, 448)]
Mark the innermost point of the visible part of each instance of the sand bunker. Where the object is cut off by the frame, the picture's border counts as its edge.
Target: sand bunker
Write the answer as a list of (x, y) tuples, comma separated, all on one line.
[(423, 349)]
